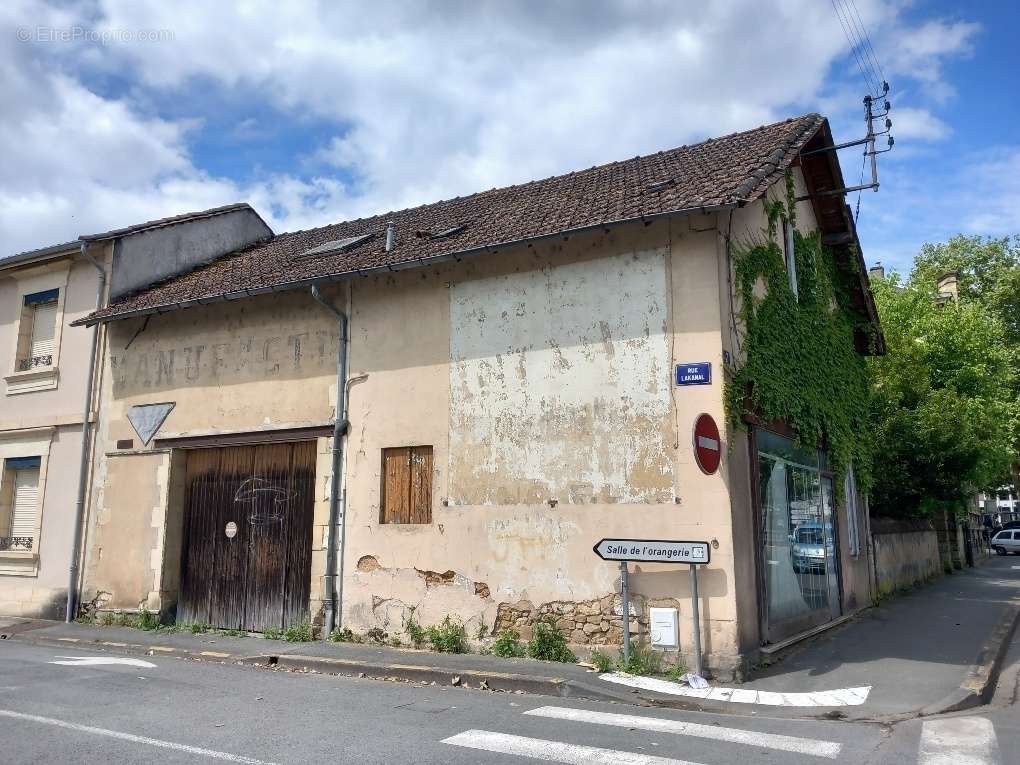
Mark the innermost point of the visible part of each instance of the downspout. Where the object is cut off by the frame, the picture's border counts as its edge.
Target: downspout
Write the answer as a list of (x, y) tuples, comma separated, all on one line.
[(86, 434), (333, 604)]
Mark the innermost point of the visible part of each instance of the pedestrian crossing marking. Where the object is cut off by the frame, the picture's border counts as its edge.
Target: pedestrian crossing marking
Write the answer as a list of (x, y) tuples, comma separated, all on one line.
[(840, 697), (827, 749), (554, 751), (958, 741)]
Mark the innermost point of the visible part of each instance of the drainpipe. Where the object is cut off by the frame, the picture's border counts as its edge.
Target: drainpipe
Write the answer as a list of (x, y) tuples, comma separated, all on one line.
[(333, 604), (86, 433)]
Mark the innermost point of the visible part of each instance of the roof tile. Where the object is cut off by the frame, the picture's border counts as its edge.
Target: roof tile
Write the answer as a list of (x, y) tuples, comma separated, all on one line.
[(732, 169)]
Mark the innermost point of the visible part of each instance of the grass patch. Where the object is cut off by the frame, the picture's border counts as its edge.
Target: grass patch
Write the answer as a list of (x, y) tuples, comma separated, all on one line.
[(508, 645), (602, 662), (344, 635), (415, 632), (448, 636), (147, 620), (298, 633), (549, 643), (643, 661), (272, 633)]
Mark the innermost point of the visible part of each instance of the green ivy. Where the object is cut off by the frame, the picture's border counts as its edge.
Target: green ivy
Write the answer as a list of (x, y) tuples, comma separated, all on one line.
[(799, 363)]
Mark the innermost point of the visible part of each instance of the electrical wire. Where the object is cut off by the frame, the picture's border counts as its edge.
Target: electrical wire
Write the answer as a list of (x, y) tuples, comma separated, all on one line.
[(859, 35), (855, 50), (867, 39)]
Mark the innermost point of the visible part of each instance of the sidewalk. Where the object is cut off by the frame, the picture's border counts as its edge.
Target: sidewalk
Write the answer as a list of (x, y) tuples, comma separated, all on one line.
[(934, 650), (928, 651)]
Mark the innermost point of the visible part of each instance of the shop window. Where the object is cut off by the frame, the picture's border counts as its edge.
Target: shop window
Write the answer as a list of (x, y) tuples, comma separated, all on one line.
[(37, 331), (798, 524), (406, 485), (19, 504)]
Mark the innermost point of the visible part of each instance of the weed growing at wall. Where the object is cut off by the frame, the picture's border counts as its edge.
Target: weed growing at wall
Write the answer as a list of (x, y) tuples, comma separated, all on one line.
[(799, 363), (508, 645), (549, 643), (448, 636)]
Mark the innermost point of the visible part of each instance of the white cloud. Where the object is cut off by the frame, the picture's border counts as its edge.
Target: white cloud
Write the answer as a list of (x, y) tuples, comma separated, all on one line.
[(919, 124), (428, 100)]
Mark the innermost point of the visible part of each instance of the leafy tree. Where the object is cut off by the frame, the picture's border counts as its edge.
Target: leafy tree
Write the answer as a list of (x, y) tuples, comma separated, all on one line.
[(943, 400), (989, 274)]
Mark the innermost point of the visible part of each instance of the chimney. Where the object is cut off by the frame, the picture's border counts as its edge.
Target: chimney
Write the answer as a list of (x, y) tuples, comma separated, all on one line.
[(389, 236), (948, 285), (877, 271)]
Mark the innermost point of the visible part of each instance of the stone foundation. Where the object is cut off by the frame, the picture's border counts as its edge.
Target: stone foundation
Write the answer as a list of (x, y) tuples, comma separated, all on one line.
[(585, 622)]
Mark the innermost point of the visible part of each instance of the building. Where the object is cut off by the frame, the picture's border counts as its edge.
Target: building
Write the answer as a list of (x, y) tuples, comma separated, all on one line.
[(48, 410), (500, 369), (42, 413)]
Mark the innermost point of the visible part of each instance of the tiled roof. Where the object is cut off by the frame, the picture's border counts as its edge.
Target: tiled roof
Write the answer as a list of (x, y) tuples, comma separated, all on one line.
[(733, 169)]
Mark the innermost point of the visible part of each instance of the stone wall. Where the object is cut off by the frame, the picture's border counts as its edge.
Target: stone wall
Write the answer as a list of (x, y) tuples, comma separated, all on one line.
[(906, 554), (586, 622)]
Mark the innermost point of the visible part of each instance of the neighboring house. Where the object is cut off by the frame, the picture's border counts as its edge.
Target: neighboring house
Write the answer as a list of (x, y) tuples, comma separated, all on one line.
[(508, 378), (47, 411), (45, 364)]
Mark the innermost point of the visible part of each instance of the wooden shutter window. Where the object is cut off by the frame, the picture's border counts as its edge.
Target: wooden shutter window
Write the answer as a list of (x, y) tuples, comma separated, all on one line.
[(406, 485), (26, 502), (44, 326)]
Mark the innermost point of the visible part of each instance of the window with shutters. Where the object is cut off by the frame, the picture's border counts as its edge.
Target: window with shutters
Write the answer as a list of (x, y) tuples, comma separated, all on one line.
[(406, 485), (19, 504), (38, 331)]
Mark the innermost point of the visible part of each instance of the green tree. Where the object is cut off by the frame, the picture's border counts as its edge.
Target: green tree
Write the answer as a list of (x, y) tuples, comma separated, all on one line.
[(943, 405), (989, 274)]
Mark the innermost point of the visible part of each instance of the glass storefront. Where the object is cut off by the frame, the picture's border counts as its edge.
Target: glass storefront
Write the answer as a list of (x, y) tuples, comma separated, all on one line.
[(800, 558)]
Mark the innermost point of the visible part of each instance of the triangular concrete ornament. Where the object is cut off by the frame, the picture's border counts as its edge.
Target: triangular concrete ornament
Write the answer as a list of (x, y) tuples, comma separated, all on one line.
[(148, 418)]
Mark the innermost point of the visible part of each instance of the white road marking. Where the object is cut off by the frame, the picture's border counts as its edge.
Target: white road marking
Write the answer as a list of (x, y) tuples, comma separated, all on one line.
[(840, 697), (958, 741), (829, 749), (92, 661), (133, 738), (554, 751)]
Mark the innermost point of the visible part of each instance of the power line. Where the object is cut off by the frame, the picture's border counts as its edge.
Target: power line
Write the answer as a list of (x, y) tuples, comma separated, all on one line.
[(867, 39), (850, 38)]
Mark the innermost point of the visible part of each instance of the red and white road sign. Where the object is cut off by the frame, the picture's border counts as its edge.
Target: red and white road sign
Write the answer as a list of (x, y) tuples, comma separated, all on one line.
[(707, 445)]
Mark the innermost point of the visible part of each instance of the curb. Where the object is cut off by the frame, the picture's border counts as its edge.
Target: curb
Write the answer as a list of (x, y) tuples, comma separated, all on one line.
[(133, 648), (505, 682), (979, 685)]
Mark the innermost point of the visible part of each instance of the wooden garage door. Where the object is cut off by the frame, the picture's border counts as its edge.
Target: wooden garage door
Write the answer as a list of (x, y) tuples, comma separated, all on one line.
[(246, 560)]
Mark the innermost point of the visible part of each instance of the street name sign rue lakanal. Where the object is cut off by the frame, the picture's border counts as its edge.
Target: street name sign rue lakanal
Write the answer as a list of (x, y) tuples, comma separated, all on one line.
[(653, 551)]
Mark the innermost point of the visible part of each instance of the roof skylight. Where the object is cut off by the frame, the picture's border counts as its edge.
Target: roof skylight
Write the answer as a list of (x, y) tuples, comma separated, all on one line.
[(337, 245)]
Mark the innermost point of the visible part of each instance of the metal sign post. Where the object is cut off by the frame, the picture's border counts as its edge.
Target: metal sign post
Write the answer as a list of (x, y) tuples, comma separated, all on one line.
[(697, 619), (625, 596)]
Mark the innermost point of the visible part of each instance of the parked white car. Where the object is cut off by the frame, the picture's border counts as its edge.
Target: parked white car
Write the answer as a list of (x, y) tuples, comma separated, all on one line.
[(1006, 541)]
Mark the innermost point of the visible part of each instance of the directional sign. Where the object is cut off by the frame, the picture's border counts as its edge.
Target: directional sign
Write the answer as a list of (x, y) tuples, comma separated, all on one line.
[(653, 550), (707, 446), (92, 661)]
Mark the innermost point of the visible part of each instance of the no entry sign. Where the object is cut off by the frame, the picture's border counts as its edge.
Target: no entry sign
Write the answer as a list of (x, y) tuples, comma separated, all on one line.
[(707, 445)]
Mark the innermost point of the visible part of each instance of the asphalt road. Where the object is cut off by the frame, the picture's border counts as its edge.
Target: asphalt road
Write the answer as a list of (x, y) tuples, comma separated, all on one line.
[(179, 711)]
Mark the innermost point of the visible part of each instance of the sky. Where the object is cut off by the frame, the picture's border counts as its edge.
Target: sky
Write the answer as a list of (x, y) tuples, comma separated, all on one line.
[(121, 111)]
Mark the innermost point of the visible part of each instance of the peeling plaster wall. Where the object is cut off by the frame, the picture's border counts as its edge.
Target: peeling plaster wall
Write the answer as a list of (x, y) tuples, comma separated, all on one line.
[(559, 384), (417, 336)]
